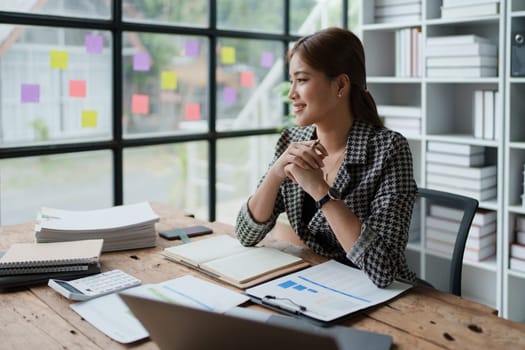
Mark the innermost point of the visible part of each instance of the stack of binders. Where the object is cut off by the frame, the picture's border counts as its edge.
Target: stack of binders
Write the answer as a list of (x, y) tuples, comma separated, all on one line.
[(34, 263), (517, 248), (122, 227)]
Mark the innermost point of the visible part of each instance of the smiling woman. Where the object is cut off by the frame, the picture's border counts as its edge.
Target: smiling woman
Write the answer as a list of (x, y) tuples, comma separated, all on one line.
[(344, 181)]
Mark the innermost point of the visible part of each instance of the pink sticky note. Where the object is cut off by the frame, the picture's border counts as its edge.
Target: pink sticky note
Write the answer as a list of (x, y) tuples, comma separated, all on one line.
[(140, 104), (266, 59), (94, 43), (192, 111), (141, 62), (229, 95), (30, 93), (191, 48), (77, 88), (247, 78)]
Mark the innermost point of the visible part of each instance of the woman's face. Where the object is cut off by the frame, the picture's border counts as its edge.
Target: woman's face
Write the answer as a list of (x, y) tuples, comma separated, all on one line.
[(314, 95)]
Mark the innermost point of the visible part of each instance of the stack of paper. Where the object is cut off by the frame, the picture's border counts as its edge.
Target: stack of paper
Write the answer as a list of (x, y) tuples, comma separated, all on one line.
[(121, 227), (404, 119)]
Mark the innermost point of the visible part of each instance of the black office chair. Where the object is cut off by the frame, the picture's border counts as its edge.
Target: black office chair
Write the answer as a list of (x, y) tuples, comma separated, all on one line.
[(468, 206)]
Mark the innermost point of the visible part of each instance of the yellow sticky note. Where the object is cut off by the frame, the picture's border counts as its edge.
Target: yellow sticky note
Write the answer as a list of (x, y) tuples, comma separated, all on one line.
[(58, 59), (89, 119), (228, 55), (169, 80)]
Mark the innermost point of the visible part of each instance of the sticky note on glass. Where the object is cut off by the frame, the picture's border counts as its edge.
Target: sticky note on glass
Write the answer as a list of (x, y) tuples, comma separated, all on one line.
[(140, 104), (267, 59), (247, 78), (77, 88), (192, 48), (30, 93), (228, 55), (229, 95), (89, 119), (168, 80), (141, 62), (192, 111), (94, 43), (58, 59)]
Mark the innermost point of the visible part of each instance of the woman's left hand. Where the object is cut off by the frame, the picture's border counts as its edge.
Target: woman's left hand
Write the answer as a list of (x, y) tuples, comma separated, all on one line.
[(311, 180)]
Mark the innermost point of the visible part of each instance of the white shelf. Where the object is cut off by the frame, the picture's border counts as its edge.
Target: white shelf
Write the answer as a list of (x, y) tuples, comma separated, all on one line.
[(447, 114)]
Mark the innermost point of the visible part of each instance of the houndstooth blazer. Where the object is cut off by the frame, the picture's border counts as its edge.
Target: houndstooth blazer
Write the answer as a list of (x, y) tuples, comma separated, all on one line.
[(377, 184)]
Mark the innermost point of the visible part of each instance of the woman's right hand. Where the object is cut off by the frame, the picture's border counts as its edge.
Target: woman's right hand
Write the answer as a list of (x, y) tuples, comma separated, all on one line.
[(305, 154)]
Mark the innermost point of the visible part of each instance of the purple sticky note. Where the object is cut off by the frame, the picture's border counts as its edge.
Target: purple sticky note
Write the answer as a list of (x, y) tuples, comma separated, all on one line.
[(192, 48), (94, 43), (229, 95), (266, 59), (141, 62), (30, 93)]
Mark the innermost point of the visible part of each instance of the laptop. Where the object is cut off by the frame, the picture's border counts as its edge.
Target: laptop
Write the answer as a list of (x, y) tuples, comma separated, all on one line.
[(174, 326)]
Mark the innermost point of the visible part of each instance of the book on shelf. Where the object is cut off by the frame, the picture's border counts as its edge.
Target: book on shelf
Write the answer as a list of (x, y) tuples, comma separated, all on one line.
[(471, 10), (478, 111), (517, 264), (399, 18), (481, 195), (475, 243), (465, 72), (122, 227), (517, 251), (34, 258), (224, 258), (473, 49), (520, 223), (498, 115), (520, 237), (394, 111), (399, 9), (466, 2), (456, 39), (462, 61), (468, 254), (395, 2), (456, 159), (488, 114), (454, 148), (409, 123), (468, 184), (482, 216), (452, 226), (472, 172)]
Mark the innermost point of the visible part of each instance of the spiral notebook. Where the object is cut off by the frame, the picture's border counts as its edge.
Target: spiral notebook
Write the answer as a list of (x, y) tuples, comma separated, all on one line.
[(50, 257)]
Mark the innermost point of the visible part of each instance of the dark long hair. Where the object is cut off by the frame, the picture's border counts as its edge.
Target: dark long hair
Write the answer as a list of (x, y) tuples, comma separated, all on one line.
[(336, 51)]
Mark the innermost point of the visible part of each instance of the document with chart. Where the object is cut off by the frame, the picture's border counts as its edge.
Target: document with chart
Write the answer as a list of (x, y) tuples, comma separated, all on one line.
[(325, 292)]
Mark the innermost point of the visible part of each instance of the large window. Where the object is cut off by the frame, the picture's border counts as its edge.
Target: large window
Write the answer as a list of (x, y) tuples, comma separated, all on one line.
[(109, 102)]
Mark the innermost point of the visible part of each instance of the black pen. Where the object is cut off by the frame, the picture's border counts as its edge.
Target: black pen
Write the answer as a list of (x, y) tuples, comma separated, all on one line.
[(296, 309)]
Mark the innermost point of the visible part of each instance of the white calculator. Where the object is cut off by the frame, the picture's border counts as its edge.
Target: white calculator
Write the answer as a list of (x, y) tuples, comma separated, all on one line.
[(95, 285)]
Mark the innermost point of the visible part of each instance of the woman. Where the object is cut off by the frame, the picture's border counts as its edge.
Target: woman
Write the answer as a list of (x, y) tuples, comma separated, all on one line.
[(345, 181)]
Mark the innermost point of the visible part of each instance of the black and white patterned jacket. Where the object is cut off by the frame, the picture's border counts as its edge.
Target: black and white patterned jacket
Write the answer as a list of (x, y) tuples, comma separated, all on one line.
[(377, 183)]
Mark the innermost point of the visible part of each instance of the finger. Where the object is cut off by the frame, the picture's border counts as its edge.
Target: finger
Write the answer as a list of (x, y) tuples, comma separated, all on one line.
[(320, 149)]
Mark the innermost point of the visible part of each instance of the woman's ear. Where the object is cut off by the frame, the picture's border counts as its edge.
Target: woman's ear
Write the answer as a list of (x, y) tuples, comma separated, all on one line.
[(343, 82)]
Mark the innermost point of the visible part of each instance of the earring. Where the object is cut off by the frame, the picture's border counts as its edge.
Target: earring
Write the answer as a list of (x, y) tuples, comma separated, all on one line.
[(340, 94)]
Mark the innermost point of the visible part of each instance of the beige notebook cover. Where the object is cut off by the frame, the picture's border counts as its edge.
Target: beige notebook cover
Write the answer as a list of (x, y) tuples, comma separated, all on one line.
[(224, 258), (52, 254)]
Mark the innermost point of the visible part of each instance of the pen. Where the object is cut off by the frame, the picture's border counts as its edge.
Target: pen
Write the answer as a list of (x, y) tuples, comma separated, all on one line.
[(296, 309)]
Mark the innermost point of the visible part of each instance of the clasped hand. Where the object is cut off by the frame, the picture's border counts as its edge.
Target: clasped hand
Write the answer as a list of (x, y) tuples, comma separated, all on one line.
[(302, 162)]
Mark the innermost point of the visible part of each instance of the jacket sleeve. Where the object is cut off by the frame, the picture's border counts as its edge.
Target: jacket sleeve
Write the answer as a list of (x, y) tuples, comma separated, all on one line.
[(250, 232), (380, 249)]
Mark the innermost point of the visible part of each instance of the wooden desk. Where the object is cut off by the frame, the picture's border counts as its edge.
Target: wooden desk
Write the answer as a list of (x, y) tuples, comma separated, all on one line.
[(39, 318)]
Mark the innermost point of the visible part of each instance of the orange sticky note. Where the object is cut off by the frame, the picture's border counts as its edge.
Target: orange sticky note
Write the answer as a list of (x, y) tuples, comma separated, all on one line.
[(168, 80), (89, 119), (77, 88), (228, 55), (140, 104), (58, 59), (247, 78), (192, 111)]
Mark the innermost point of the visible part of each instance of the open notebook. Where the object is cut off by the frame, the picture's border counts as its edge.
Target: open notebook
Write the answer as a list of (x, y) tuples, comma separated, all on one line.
[(224, 258)]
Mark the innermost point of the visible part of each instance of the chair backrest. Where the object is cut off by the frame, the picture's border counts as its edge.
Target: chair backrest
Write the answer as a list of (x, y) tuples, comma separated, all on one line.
[(468, 206)]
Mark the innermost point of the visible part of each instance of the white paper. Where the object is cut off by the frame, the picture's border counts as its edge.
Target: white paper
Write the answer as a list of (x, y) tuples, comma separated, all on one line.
[(328, 291), (110, 314)]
